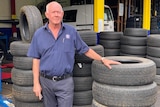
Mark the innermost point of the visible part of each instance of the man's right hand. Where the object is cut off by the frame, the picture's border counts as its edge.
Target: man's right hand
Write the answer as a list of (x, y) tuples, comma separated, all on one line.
[(37, 90)]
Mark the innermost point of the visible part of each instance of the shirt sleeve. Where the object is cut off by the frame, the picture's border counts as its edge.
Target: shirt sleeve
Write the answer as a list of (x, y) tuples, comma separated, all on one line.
[(33, 49)]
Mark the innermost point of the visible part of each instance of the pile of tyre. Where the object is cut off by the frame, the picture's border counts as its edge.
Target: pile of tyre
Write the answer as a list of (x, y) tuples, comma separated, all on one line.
[(153, 50), (82, 71), (130, 84), (155, 28), (133, 42), (22, 77), (111, 42)]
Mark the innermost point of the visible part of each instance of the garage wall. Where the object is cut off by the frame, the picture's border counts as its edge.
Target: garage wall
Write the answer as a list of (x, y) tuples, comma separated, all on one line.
[(5, 13)]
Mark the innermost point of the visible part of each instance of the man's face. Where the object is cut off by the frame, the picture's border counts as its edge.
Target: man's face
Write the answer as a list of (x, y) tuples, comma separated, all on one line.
[(55, 14)]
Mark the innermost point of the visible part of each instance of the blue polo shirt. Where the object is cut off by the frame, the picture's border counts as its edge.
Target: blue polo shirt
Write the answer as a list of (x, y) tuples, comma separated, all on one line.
[(56, 55)]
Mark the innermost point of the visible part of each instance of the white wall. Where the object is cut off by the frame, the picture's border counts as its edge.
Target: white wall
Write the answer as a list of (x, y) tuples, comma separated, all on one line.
[(5, 9)]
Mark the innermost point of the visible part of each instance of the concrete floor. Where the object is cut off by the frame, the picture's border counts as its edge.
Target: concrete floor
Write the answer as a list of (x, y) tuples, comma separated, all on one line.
[(7, 93)]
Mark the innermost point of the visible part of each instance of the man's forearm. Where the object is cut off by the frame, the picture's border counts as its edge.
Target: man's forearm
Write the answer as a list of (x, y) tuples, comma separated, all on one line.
[(35, 69), (93, 55)]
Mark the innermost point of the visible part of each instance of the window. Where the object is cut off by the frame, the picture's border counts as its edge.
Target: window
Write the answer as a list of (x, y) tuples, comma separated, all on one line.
[(70, 16), (107, 14)]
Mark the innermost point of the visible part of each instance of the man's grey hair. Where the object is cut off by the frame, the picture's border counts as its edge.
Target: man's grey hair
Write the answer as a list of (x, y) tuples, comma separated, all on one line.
[(53, 2)]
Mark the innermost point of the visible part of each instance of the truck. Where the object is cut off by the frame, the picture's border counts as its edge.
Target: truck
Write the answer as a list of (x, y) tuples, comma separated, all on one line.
[(82, 17)]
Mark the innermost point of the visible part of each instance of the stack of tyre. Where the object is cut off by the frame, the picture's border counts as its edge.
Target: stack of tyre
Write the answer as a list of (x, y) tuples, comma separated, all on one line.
[(130, 84), (133, 42), (22, 77), (111, 42), (153, 50), (82, 71), (154, 25)]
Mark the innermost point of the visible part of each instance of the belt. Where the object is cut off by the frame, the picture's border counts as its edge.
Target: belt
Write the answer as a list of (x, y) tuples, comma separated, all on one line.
[(56, 78)]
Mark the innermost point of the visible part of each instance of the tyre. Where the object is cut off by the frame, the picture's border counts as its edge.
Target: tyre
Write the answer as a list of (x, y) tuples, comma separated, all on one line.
[(155, 59), (110, 44), (158, 70), (125, 96), (110, 35), (135, 50), (134, 41), (137, 32), (126, 54), (96, 104), (82, 69), (24, 94), (22, 77), (84, 59), (82, 98), (157, 79), (24, 63), (30, 21), (133, 71), (83, 106), (89, 37), (19, 48), (25, 104), (111, 52), (153, 51), (82, 83), (153, 40)]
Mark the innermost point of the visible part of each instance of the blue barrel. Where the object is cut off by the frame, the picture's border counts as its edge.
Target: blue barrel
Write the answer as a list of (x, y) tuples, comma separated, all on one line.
[(0, 78), (98, 34), (4, 102)]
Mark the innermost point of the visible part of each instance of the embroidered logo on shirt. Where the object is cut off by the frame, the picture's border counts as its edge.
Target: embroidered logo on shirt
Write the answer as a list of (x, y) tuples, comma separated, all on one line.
[(67, 36)]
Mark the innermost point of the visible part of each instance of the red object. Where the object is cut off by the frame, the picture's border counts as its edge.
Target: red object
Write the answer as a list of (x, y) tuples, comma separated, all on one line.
[(9, 65), (5, 75), (13, 13), (3, 66)]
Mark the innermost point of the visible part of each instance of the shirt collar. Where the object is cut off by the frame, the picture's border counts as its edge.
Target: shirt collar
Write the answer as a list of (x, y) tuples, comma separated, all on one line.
[(46, 26)]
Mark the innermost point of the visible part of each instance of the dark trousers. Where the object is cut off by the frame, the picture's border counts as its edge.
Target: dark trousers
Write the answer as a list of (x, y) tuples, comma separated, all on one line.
[(57, 93)]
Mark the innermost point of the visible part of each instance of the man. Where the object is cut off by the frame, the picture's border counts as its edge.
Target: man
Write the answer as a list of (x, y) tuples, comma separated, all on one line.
[(53, 48)]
